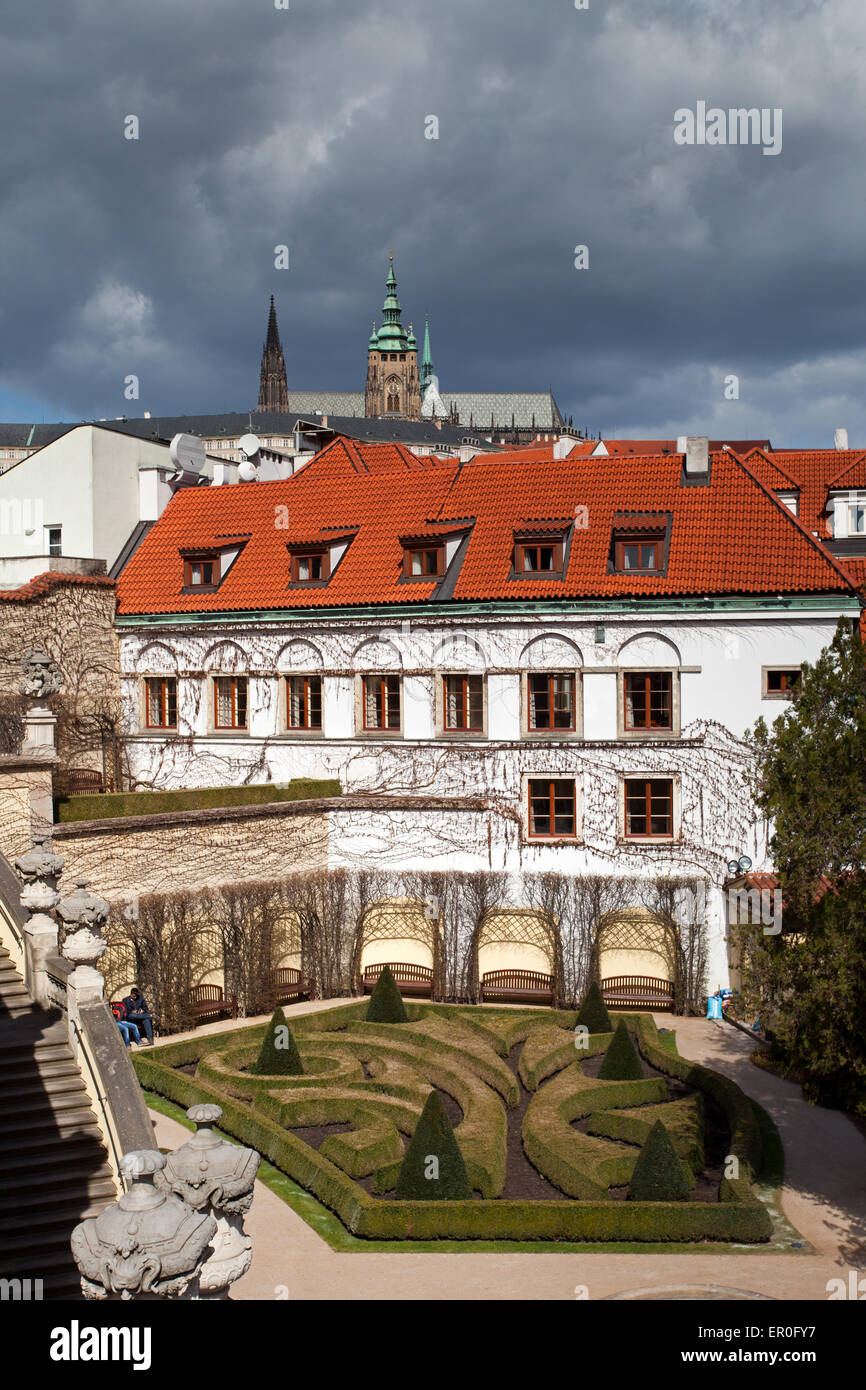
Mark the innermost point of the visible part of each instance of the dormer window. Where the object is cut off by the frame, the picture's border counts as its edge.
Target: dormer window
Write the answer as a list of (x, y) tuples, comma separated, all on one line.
[(538, 555), (201, 571), (424, 562), (311, 567), (639, 554), (857, 514)]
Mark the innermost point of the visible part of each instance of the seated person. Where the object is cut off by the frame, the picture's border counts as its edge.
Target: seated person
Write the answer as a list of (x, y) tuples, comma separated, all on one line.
[(128, 1031), (138, 1012)]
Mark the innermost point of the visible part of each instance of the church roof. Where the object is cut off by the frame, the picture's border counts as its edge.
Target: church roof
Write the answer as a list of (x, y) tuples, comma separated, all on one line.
[(531, 409)]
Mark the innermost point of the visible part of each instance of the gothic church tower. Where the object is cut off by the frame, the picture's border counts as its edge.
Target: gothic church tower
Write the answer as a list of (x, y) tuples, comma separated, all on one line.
[(393, 387), (273, 393)]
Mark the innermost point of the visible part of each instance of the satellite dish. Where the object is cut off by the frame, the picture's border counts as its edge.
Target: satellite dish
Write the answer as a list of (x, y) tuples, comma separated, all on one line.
[(249, 444), (187, 452), (247, 471)]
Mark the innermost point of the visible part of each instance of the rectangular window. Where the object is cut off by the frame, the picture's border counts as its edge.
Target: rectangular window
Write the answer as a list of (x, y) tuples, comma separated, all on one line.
[(552, 808), (857, 515), (381, 702), (304, 702), (161, 702), (55, 540), (648, 700), (638, 554), (551, 701), (649, 808), (778, 682), (201, 572), (539, 557), (230, 702), (311, 568), (464, 703), (424, 562)]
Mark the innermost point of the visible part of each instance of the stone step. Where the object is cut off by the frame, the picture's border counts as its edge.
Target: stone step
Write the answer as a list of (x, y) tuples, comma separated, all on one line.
[(34, 1162), (64, 1217), (53, 1070), (12, 1059), (47, 1136), (36, 1108), (81, 1182), (24, 1088)]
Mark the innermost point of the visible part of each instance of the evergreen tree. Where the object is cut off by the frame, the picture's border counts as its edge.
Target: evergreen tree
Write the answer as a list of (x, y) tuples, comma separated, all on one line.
[(386, 1002), (621, 1062), (807, 983), (433, 1168), (279, 1054), (593, 1011), (659, 1175)]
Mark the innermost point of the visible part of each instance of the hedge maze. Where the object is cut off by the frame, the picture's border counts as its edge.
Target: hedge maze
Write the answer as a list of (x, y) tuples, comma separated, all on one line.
[(528, 1132)]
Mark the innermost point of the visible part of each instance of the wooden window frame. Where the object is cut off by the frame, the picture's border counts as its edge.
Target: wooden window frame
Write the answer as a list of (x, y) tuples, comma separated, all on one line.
[(555, 543), (164, 702), (647, 677), (551, 730), (306, 726), (321, 553), (647, 781), (658, 544), (206, 558), (234, 727), (382, 678), (786, 692), (411, 550), (466, 728), (551, 783)]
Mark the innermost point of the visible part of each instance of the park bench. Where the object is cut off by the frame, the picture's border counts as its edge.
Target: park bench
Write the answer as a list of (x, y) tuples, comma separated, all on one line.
[(411, 979), (516, 987), (637, 992), (78, 781), (286, 984), (207, 1002)]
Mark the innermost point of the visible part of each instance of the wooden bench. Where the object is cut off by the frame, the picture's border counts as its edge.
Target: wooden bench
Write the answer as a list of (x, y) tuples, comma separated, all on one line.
[(207, 1002), (79, 781), (287, 984), (411, 979), (516, 987), (637, 991)]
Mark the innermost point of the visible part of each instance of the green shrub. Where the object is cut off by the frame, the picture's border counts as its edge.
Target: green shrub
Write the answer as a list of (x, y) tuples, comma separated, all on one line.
[(433, 1168), (279, 1054), (621, 1062), (658, 1175), (593, 1012), (109, 805), (386, 1002)]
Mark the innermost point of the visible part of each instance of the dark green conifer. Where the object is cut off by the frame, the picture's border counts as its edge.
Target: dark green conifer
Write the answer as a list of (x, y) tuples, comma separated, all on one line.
[(621, 1062), (659, 1175), (593, 1011), (279, 1054), (386, 1002), (433, 1168)]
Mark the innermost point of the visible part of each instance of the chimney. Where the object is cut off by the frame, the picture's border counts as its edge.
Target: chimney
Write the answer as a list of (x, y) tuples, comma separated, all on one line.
[(697, 455), (681, 443), (840, 439)]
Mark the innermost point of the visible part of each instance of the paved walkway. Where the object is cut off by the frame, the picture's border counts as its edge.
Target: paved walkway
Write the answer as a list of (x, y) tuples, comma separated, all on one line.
[(824, 1197)]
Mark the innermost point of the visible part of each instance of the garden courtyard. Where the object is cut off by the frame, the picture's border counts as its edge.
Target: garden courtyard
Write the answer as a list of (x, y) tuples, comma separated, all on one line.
[(551, 1204)]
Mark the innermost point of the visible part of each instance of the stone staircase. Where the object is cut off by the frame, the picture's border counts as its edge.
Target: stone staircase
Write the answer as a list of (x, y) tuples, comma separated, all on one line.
[(53, 1165)]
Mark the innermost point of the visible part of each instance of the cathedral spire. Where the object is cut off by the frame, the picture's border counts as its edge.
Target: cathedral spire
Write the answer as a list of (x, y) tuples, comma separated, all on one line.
[(392, 334), (273, 392), (427, 359)]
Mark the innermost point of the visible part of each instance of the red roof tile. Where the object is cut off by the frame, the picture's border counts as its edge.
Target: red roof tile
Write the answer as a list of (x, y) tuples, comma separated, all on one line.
[(52, 579), (389, 493)]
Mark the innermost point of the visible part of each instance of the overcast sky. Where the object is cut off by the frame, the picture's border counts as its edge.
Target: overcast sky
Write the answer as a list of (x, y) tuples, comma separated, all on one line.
[(305, 126)]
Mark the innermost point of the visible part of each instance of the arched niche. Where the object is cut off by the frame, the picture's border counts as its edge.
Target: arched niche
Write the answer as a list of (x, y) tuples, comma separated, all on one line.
[(648, 649), (226, 658), (517, 938), (635, 941), (377, 654), (399, 929), (298, 655), (550, 652), (156, 657), (461, 653)]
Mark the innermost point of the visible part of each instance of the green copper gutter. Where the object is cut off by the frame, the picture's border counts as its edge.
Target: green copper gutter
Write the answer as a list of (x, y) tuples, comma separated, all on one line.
[(795, 603)]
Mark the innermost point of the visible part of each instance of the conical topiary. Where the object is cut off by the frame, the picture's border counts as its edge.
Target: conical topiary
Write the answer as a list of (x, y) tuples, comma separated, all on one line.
[(433, 1168), (386, 1001), (279, 1054), (621, 1062), (658, 1175), (593, 1011)]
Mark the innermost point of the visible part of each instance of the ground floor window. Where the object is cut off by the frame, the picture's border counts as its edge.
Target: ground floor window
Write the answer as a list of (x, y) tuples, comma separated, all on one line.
[(552, 807)]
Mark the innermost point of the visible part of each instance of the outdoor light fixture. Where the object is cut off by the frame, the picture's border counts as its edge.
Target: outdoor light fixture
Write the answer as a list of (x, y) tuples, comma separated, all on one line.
[(733, 868), (744, 864), (599, 634)]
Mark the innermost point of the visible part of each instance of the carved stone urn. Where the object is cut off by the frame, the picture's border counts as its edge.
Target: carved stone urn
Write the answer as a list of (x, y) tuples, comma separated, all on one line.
[(146, 1245), (84, 915), (213, 1175)]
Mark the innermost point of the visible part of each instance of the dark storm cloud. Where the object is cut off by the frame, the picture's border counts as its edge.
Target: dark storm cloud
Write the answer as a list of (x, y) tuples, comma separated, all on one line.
[(305, 126)]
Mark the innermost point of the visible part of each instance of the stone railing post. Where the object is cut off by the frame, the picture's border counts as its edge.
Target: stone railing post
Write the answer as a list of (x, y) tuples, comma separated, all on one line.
[(214, 1176), (84, 915), (146, 1245), (39, 871)]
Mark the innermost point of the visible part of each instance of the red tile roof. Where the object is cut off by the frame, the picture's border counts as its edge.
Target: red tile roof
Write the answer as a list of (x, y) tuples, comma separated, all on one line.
[(53, 579), (813, 471), (387, 493), (669, 446)]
